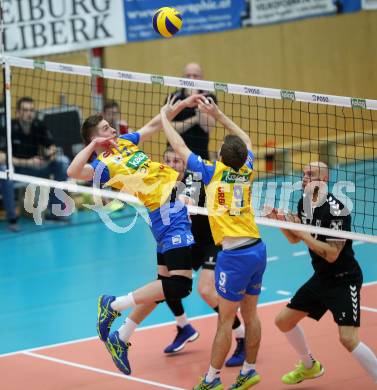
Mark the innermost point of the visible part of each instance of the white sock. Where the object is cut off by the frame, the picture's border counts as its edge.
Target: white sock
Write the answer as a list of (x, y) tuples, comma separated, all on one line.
[(123, 303), (239, 332), (296, 338), (247, 367), (367, 359), (126, 330), (181, 320), (212, 374)]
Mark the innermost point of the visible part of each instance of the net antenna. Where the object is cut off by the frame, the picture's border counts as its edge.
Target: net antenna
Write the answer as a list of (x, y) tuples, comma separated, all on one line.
[(304, 127)]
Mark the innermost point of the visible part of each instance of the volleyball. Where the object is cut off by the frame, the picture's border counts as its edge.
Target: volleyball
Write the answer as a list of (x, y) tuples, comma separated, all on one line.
[(167, 21)]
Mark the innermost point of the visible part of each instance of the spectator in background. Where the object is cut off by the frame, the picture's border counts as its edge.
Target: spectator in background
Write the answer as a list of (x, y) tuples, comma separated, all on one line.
[(35, 154), (111, 113), (194, 126)]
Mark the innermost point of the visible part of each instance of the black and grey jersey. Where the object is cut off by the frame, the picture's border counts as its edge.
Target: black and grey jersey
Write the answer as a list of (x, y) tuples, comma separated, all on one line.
[(192, 187), (334, 215)]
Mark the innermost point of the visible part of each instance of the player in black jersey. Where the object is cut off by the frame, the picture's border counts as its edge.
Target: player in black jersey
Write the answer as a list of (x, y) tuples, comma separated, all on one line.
[(204, 253), (336, 282)]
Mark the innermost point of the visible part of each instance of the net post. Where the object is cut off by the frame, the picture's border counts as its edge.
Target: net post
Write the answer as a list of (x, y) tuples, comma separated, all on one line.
[(6, 96), (8, 120), (2, 51)]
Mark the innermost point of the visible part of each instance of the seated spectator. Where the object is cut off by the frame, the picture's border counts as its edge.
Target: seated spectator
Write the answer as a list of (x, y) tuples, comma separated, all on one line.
[(111, 113), (34, 154)]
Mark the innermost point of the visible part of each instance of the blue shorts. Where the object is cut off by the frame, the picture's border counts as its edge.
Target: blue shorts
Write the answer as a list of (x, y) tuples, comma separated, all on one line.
[(240, 271), (171, 229)]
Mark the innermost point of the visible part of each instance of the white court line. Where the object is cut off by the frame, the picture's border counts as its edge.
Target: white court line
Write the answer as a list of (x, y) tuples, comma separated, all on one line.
[(300, 253), (283, 292), (275, 302), (372, 309), (272, 258), (100, 371)]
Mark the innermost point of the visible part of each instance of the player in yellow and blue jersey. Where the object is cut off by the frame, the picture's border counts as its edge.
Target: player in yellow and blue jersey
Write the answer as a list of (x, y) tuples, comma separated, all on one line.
[(119, 163), (241, 263)]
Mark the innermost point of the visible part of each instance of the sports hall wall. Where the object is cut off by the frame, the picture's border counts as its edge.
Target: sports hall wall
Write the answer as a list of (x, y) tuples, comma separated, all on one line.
[(333, 55)]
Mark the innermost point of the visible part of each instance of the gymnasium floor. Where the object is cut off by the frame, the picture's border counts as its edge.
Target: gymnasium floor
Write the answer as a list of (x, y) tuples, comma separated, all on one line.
[(51, 276)]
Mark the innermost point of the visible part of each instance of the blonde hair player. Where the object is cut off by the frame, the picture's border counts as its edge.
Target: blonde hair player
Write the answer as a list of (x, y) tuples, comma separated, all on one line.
[(119, 163)]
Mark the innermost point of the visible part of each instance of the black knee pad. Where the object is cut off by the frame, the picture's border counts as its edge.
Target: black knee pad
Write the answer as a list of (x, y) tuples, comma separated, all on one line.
[(176, 287), (161, 277)]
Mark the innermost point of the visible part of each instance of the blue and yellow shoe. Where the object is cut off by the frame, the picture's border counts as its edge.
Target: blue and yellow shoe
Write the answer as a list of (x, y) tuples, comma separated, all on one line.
[(214, 385), (119, 352), (184, 335), (238, 356), (245, 381), (106, 316)]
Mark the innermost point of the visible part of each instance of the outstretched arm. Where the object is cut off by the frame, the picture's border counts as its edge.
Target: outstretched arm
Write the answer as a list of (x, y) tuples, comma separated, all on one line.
[(205, 121), (291, 235), (155, 124), (327, 250), (175, 139), (213, 110)]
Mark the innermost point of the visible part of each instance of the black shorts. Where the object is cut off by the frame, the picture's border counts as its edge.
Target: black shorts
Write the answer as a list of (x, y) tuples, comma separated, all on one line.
[(340, 295), (176, 259), (204, 255)]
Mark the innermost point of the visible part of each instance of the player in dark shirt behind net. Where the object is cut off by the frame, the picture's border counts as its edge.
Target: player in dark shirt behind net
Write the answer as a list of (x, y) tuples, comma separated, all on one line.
[(193, 125), (336, 282), (191, 190)]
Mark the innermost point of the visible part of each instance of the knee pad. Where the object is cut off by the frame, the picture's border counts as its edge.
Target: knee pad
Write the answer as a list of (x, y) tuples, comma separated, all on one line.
[(161, 277), (176, 287)]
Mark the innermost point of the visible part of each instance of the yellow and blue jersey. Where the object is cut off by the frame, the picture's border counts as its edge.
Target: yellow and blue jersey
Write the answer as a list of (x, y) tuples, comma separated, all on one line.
[(229, 205), (130, 170)]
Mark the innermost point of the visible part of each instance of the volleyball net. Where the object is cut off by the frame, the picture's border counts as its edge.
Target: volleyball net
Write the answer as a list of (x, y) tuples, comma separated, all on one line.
[(288, 129)]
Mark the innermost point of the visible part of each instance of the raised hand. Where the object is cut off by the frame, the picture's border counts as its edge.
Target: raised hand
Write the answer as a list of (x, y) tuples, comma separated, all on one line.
[(193, 100), (171, 104), (209, 107), (106, 142)]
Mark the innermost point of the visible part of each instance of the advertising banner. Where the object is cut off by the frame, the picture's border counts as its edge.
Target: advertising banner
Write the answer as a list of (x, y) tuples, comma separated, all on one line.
[(42, 27), (275, 11), (199, 16), (369, 4)]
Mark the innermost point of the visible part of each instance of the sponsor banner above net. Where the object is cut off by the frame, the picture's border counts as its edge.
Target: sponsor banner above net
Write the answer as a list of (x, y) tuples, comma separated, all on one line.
[(274, 11), (46, 27), (204, 85)]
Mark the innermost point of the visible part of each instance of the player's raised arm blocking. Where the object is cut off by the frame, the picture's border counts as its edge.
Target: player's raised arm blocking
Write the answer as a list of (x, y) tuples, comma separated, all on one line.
[(171, 111), (175, 139), (99, 136), (209, 107)]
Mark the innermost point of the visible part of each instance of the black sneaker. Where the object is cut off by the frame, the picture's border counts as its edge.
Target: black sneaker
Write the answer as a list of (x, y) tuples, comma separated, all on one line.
[(238, 356)]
